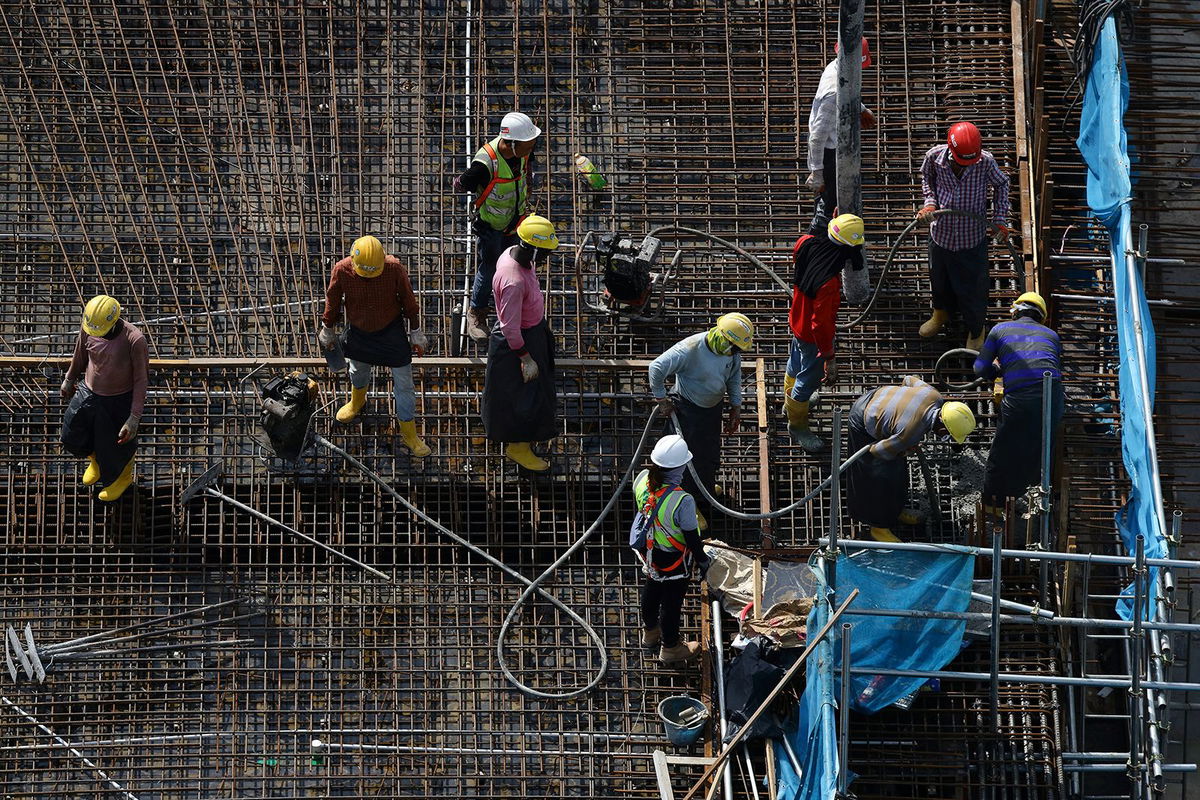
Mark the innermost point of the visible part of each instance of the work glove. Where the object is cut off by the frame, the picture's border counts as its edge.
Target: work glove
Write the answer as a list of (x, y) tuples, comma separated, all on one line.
[(128, 430), (926, 213), (456, 184), (831, 372), (998, 391), (735, 418), (529, 368), (666, 406), (703, 562), (67, 389), (327, 338), (866, 120), (418, 340), (1002, 232), (816, 181), (856, 284)]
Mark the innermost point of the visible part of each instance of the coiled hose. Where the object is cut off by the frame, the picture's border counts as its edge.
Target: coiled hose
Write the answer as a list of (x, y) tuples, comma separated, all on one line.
[(957, 387)]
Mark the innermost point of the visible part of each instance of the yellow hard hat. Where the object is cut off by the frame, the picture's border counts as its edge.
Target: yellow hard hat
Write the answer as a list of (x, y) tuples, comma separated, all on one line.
[(738, 329), (958, 419), (847, 229), (538, 231), (100, 314), (1030, 299), (366, 254)]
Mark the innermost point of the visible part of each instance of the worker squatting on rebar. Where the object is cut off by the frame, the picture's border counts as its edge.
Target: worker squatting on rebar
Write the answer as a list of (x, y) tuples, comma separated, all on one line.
[(373, 292), (500, 174), (113, 361), (666, 538), (822, 141), (812, 318), (519, 398), (707, 367), (893, 420), (957, 175), (1017, 355)]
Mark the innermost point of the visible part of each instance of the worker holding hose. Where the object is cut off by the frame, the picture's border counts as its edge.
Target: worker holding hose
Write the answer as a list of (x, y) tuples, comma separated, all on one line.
[(499, 175), (707, 367), (519, 400), (106, 384), (666, 537), (372, 291), (1017, 355), (891, 421), (822, 141), (816, 298), (958, 175)]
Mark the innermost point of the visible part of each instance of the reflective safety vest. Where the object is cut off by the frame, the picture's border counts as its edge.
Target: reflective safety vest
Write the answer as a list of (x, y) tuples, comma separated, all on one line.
[(659, 508), (502, 201)]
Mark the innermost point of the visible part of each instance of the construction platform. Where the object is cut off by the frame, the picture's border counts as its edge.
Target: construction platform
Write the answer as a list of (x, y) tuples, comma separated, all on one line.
[(207, 164)]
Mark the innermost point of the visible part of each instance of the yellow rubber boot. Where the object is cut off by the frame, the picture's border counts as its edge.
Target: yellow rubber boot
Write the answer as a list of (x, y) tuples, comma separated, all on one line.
[(909, 517), (408, 435), (117, 488), (358, 399), (883, 535), (935, 323), (92, 473), (797, 415), (520, 453), (788, 383), (975, 342)]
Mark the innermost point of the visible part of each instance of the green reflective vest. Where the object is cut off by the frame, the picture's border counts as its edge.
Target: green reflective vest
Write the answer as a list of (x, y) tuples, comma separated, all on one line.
[(502, 201), (665, 534)]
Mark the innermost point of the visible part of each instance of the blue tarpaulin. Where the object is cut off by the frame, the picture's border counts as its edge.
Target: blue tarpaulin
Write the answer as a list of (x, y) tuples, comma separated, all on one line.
[(1102, 141), (887, 579)]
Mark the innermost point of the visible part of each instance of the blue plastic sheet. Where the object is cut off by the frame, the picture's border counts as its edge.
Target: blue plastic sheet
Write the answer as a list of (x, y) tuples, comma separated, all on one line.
[(889, 579), (1102, 141)]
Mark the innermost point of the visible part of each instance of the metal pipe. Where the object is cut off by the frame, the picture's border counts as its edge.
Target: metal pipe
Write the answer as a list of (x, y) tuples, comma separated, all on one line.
[(1143, 245), (1136, 643), (1123, 767), (1021, 677), (843, 780), (835, 503), (719, 653), (1044, 520), (1026, 619), (1036, 611), (1086, 558), (849, 105), (994, 659)]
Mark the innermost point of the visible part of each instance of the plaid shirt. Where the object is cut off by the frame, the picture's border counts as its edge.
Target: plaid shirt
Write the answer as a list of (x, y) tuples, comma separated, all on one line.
[(968, 192)]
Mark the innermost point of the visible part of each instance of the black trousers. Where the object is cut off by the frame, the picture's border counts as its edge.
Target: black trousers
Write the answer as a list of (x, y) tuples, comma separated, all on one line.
[(662, 607), (91, 426), (827, 199), (702, 431), (515, 411), (960, 282), (1015, 460), (876, 489)]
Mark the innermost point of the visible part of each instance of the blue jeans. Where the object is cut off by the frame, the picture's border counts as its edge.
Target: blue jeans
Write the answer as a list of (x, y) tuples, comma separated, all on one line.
[(402, 379), (491, 243), (806, 367)]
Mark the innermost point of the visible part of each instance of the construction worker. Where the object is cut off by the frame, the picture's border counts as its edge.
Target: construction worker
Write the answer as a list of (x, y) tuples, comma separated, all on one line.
[(666, 537), (707, 367), (112, 358), (519, 400), (374, 292), (957, 175), (1026, 349), (816, 298), (499, 175), (893, 420), (822, 140)]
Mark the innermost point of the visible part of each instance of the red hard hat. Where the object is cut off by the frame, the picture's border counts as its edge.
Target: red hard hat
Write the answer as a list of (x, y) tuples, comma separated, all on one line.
[(965, 143), (866, 51)]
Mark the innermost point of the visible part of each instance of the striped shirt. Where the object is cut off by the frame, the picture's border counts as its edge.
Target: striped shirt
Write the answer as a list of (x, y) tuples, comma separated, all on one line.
[(1025, 350), (968, 192), (897, 417)]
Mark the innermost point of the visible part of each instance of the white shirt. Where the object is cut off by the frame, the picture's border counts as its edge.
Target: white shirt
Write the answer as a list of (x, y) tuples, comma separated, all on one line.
[(822, 119)]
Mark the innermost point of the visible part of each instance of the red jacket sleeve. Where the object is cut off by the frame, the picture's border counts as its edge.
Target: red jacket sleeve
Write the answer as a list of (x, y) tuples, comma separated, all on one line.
[(824, 318)]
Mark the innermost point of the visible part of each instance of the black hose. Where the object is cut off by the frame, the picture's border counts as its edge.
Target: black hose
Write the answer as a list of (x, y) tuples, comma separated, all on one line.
[(957, 387)]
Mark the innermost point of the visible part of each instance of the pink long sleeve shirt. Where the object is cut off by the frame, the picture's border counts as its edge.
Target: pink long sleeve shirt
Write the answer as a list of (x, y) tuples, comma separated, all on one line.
[(113, 366), (519, 300)]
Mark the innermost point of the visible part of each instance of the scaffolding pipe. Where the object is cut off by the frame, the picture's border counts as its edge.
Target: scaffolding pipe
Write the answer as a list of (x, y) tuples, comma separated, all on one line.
[(843, 779), (1024, 619), (719, 655), (994, 659), (1022, 677), (1136, 646), (835, 503), (1044, 520), (1086, 558)]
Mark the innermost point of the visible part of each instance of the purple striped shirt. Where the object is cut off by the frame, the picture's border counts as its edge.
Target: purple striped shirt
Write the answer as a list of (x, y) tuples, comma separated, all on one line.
[(968, 191)]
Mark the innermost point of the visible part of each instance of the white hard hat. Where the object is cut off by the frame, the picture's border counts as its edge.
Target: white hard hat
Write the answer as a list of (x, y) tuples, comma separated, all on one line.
[(518, 127), (670, 452)]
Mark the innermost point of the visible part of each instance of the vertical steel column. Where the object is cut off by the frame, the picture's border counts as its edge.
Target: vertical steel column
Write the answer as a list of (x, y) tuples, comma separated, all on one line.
[(997, 546), (1044, 522), (1136, 711), (843, 781), (719, 650), (849, 102), (835, 504)]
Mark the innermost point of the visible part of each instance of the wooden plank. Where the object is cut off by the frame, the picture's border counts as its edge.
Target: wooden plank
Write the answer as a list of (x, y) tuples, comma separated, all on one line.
[(662, 774)]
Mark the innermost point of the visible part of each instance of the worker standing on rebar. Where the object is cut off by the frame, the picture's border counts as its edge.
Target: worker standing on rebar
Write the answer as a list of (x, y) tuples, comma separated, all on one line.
[(519, 397), (707, 368), (1025, 350), (822, 140), (374, 292), (666, 537), (892, 421), (957, 175), (112, 358), (816, 298), (499, 175)]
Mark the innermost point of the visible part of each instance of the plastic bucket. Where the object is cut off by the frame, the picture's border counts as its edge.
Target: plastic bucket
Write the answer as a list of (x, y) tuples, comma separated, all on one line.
[(683, 718)]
